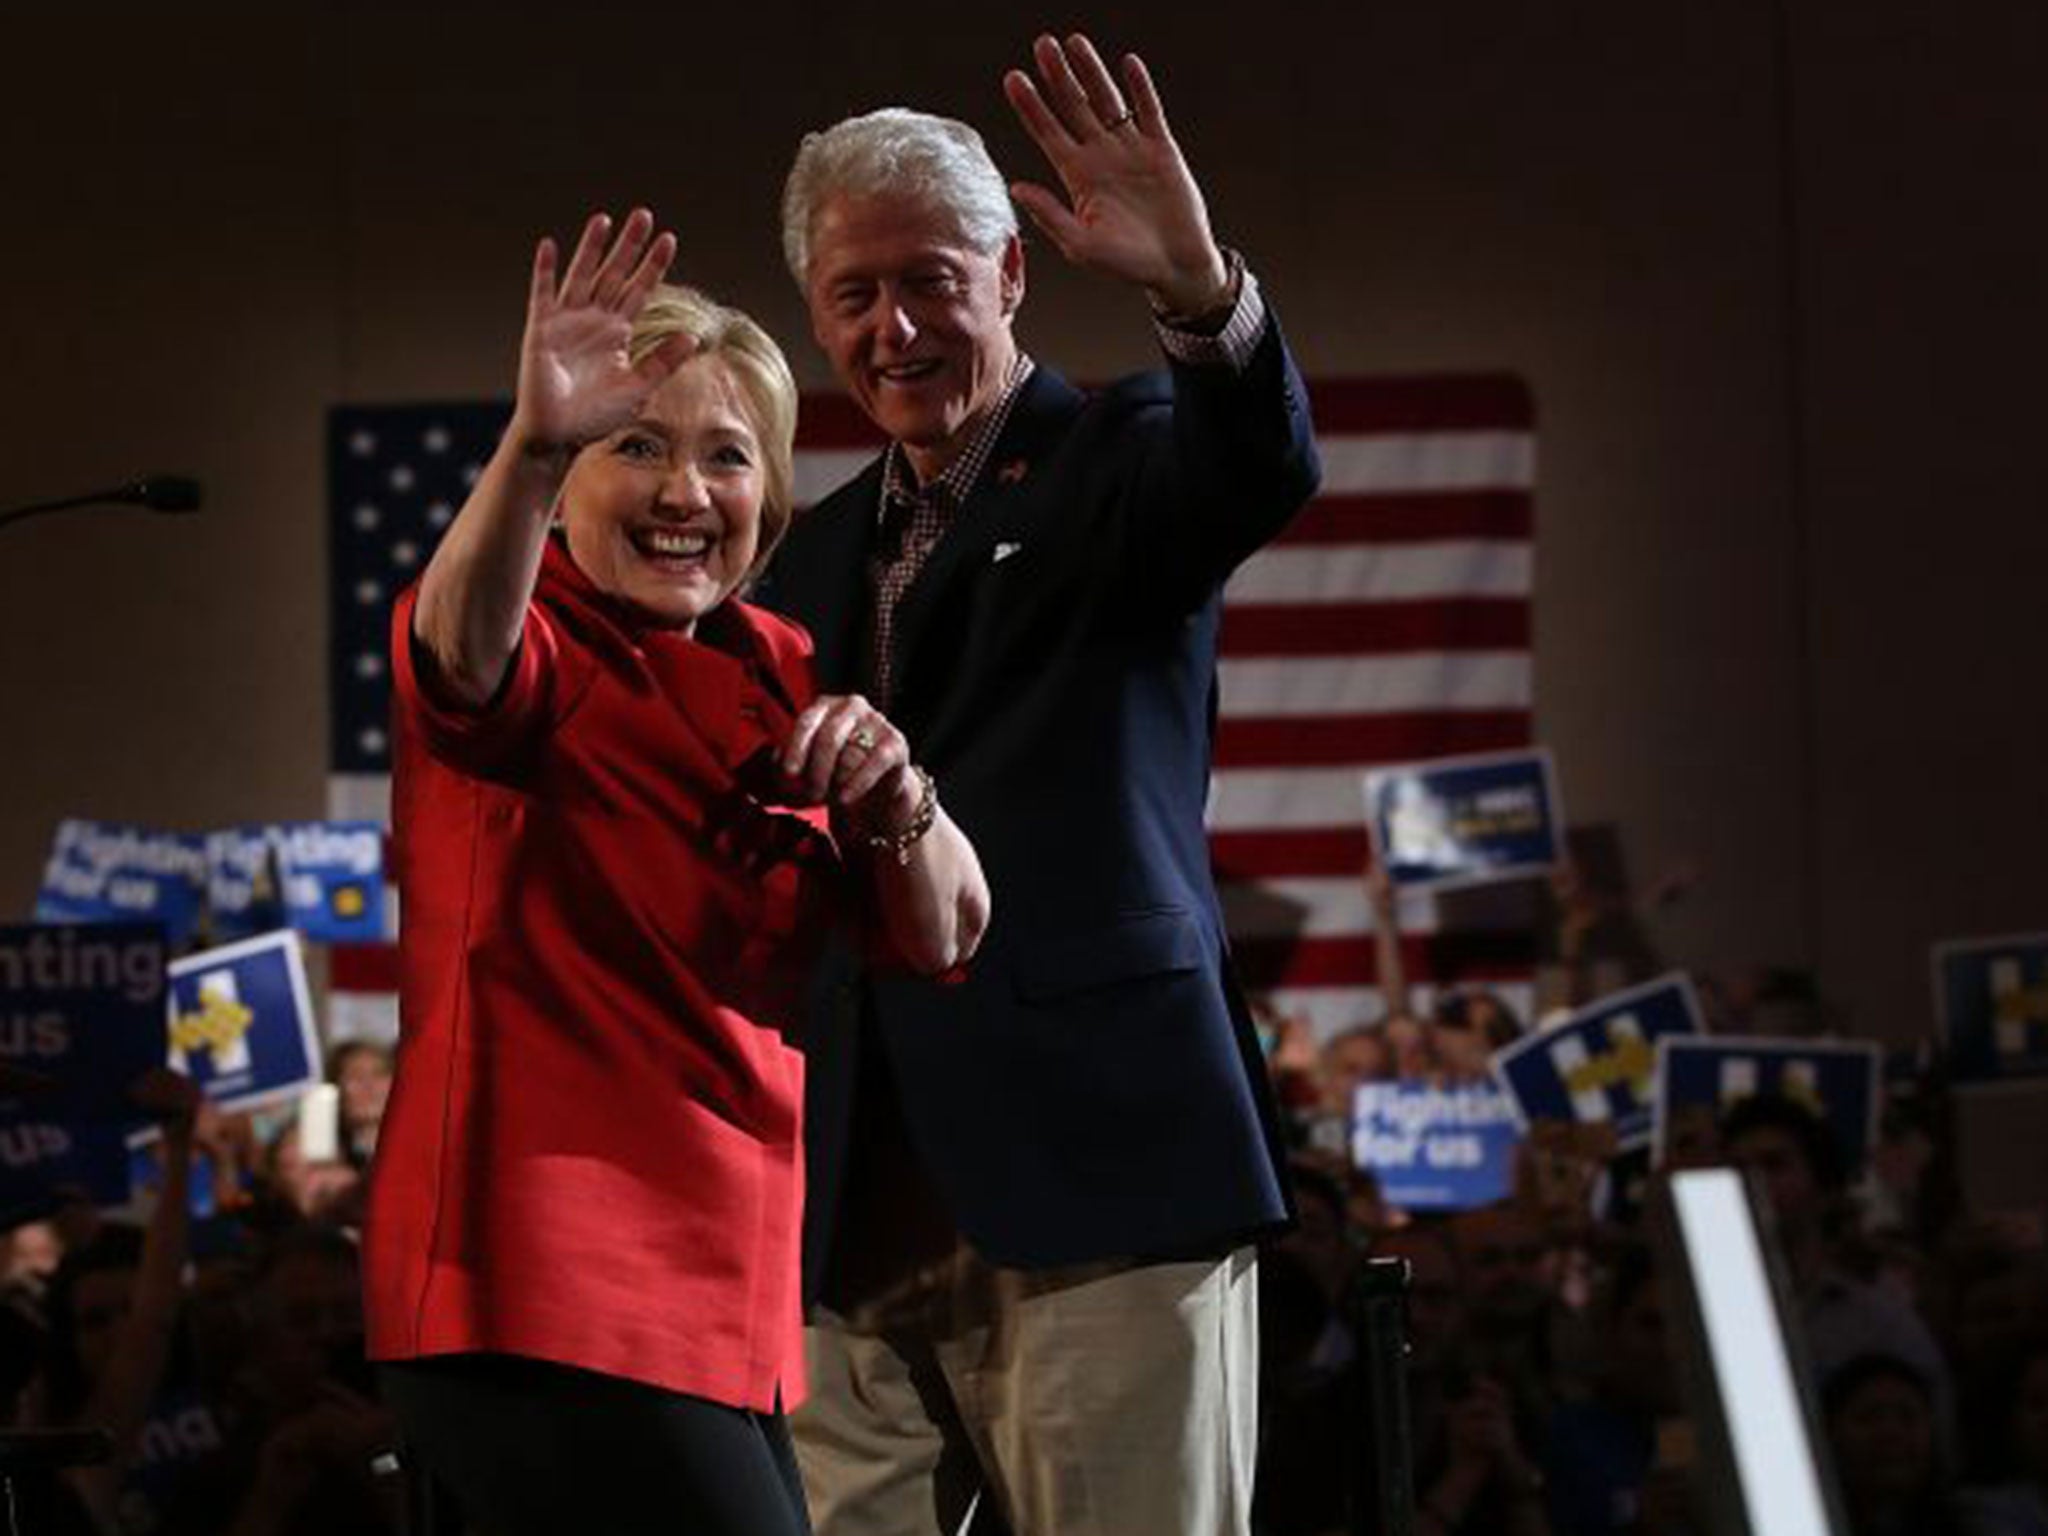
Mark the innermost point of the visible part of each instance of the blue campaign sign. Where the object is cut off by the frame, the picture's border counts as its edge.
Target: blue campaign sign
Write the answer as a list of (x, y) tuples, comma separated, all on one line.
[(1464, 820), (1600, 1065), (1991, 1000), (146, 1172), (242, 895), (100, 872), (1435, 1149), (333, 876), (43, 1164), (242, 1021), (81, 1015), (81, 1018), (1700, 1079)]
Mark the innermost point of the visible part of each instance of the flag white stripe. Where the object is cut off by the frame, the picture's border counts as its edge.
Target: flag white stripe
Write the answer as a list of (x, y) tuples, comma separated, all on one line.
[(1358, 685), (1262, 799), (820, 471), (1315, 906), (1392, 464), (1330, 1010), (1380, 573), (359, 797)]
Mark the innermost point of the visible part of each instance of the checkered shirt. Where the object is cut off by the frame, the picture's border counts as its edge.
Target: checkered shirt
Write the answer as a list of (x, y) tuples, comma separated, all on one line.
[(913, 518)]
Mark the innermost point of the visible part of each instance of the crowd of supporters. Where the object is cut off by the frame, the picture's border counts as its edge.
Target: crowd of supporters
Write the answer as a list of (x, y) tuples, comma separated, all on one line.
[(224, 1352), (1543, 1383)]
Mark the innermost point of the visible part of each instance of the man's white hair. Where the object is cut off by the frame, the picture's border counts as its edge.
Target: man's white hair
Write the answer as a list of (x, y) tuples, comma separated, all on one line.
[(936, 162)]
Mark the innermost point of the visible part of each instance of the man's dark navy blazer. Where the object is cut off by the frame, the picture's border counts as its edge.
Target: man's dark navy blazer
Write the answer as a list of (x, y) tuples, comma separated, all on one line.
[(1094, 1089)]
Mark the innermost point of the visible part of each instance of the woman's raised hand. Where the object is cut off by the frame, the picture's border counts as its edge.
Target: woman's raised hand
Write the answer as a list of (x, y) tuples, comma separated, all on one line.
[(576, 379)]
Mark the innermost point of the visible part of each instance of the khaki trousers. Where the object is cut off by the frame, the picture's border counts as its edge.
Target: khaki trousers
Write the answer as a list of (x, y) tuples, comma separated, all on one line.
[(1102, 1400)]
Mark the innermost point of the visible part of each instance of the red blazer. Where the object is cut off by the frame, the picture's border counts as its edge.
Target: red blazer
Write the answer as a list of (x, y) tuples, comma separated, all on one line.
[(593, 1149)]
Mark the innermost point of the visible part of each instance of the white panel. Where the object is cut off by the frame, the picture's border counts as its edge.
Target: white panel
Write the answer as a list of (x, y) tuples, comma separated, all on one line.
[(1759, 1401), (1316, 907), (821, 471), (1402, 463), (1374, 685), (1380, 573), (1255, 799)]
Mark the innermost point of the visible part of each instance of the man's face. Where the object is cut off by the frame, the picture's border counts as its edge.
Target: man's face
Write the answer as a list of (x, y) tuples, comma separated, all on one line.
[(1505, 1263), (1777, 1159), (915, 322)]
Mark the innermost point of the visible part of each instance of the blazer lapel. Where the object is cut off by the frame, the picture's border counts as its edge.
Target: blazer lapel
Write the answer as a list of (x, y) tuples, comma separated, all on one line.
[(933, 619), (828, 588)]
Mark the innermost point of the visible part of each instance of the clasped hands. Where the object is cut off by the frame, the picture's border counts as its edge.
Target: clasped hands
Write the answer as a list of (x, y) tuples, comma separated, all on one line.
[(842, 752)]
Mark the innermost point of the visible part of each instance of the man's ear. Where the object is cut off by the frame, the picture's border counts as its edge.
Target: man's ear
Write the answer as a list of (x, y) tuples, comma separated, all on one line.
[(1012, 263)]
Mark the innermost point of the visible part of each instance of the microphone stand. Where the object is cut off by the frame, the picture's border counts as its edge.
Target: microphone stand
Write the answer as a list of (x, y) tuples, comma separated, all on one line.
[(155, 493), (1381, 1296)]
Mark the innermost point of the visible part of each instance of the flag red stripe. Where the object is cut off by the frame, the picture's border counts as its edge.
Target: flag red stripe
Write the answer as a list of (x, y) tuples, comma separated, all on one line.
[(1297, 852), (829, 420), (362, 967), (1365, 518), (1356, 629), (1429, 403), (1300, 741), (1348, 962)]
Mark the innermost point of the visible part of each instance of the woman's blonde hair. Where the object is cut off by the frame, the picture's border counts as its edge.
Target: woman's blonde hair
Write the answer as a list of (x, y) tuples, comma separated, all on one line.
[(759, 369)]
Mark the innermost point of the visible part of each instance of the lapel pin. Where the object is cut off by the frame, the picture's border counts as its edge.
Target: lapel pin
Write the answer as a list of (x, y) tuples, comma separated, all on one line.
[(1012, 472)]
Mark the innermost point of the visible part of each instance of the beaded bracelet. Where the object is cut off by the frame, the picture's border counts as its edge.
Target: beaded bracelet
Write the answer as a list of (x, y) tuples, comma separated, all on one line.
[(900, 843)]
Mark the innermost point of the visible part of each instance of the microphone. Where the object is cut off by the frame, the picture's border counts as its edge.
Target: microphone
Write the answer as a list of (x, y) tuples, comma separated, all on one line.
[(157, 493), (161, 493)]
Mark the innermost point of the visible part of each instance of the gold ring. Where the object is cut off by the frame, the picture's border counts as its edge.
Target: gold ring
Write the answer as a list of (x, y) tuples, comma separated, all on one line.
[(1119, 120), (863, 738)]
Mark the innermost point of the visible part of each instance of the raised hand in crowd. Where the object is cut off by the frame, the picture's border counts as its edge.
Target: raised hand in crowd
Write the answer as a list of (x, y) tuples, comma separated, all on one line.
[(117, 1395), (332, 1444), (1383, 901), (1485, 1462), (1132, 210)]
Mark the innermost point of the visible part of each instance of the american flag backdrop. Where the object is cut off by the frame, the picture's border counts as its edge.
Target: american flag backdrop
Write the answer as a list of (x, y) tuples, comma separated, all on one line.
[(1390, 622)]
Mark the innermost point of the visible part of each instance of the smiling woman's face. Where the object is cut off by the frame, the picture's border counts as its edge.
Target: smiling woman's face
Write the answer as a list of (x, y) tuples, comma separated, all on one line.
[(665, 513)]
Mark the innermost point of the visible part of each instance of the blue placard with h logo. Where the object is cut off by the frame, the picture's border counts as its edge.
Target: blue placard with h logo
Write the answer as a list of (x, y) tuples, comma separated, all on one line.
[(1991, 999), (1435, 1148), (242, 1021), (1600, 1065), (1699, 1079), (81, 1019)]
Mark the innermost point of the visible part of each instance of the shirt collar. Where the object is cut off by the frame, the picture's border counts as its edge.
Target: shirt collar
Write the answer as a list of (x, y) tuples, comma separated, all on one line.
[(899, 481)]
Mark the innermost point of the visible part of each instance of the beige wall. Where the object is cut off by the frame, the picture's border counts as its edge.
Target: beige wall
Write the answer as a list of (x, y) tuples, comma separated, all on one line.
[(1769, 270)]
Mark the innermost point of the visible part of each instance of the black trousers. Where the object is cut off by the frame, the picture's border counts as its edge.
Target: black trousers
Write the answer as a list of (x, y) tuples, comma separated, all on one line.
[(526, 1447)]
